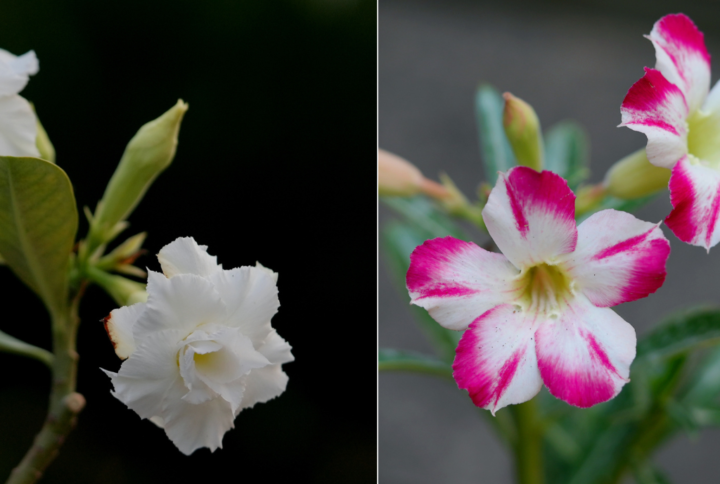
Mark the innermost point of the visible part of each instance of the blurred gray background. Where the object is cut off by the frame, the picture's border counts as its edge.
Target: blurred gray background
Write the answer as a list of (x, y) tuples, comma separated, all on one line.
[(569, 60)]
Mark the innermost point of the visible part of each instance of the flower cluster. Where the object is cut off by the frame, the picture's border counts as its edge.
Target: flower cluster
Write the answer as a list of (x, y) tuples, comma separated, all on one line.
[(18, 125), (540, 311), (201, 349)]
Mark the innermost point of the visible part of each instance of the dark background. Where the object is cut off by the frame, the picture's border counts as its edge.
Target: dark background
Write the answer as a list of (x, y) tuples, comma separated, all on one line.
[(274, 164), (569, 59)]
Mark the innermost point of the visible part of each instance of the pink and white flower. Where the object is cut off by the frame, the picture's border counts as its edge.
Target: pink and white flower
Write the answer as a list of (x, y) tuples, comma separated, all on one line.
[(201, 349), (540, 311), (675, 108)]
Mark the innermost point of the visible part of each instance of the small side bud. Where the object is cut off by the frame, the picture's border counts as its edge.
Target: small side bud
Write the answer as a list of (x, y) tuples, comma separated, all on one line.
[(458, 205), (147, 154), (124, 291), (400, 178), (635, 177), (522, 128)]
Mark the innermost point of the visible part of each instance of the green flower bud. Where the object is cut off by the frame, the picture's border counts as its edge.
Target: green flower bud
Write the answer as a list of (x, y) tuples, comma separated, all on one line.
[(149, 152), (635, 177), (122, 290), (522, 129)]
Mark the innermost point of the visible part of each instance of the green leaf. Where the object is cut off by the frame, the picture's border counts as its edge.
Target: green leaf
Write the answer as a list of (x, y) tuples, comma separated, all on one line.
[(646, 473), (567, 152), (38, 221), (398, 241), (704, 386), (680, 333), (396, 360), (495, 149), (425, 216), (13, 345)]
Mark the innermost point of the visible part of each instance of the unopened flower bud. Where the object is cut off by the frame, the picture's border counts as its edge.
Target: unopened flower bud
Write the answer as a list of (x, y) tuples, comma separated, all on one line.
[(522, 129), (149, 152), (635, 177), (122, 290), (398, 177)]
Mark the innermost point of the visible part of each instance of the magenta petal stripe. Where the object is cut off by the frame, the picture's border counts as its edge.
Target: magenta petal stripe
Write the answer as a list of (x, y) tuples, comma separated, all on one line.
[(531, 216), (695, 196), (457, 281), (682, 57), (618, 258), (584, 355), (657, 108), (495, 360)]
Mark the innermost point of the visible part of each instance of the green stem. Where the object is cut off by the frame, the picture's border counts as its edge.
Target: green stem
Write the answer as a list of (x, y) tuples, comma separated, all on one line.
[(528, 448), (13, 345), (65, 403)]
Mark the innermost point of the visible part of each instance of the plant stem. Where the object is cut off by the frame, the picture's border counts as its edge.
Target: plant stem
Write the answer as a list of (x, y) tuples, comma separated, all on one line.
[(528, 448), (65, 403)]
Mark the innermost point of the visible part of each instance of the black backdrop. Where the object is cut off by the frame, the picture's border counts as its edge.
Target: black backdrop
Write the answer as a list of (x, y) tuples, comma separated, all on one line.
[(274, 164)]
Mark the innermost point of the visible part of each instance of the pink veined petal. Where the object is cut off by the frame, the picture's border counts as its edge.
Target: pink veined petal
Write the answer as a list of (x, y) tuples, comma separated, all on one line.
[(531, 216), (657, 108), (495, 360), (618, 259), (457, 281), (584, 355), (682, 57), (695, 196)]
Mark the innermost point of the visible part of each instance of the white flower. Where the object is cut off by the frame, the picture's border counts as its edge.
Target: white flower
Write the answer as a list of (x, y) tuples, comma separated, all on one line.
[(201, 348), (18, 124)]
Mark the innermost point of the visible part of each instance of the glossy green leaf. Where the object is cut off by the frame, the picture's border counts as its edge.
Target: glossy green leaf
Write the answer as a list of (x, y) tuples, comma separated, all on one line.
[(38, 221), (425, 216), (398, 241), (704, 386), (680, 333), (567, 152), (495, 149), (396, 360)]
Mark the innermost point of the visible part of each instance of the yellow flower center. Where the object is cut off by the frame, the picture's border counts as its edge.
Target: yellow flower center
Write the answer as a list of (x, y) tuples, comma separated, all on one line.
[(704, 138), (543, 288)]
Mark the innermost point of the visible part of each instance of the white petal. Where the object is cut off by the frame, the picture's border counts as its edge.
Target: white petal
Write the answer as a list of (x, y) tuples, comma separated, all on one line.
[(181, 303), (18, 127), (458, 281), (584, 356), (15, 71), (276, 349), (185, 256), (531, 216), (119, 326), (251, 296), (618, 259), (272, 273), (263, 384), (495, 360)]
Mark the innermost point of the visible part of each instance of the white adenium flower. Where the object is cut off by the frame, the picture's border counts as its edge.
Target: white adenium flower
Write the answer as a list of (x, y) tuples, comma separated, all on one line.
[(675, 108), (540, 311), (201, 349), (18, 124)]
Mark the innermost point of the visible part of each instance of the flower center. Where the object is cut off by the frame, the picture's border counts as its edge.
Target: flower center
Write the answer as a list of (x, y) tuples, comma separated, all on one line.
[(704, 138), (543, 289)]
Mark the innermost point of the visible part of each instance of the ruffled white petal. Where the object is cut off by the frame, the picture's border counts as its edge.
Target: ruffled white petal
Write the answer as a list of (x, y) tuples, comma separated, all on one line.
[(251, 297), (185, 256), (18, 127), (495, 360), (682, 57), (584, 355), (458, 281), (531, 216), (119, 325), (618, 259), (15, 71), (181, 303), (266, 383)]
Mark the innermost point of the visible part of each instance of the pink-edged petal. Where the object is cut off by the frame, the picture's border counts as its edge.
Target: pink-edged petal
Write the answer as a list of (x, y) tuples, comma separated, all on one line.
[(119, 324), (682, 57), (531, 216), (458, 281), (618, 259), (584, 355), (695, 196), (657, 108), (495, 360)]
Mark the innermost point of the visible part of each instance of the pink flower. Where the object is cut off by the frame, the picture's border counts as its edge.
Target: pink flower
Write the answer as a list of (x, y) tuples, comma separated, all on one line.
[(673, 106), (539, 312)]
